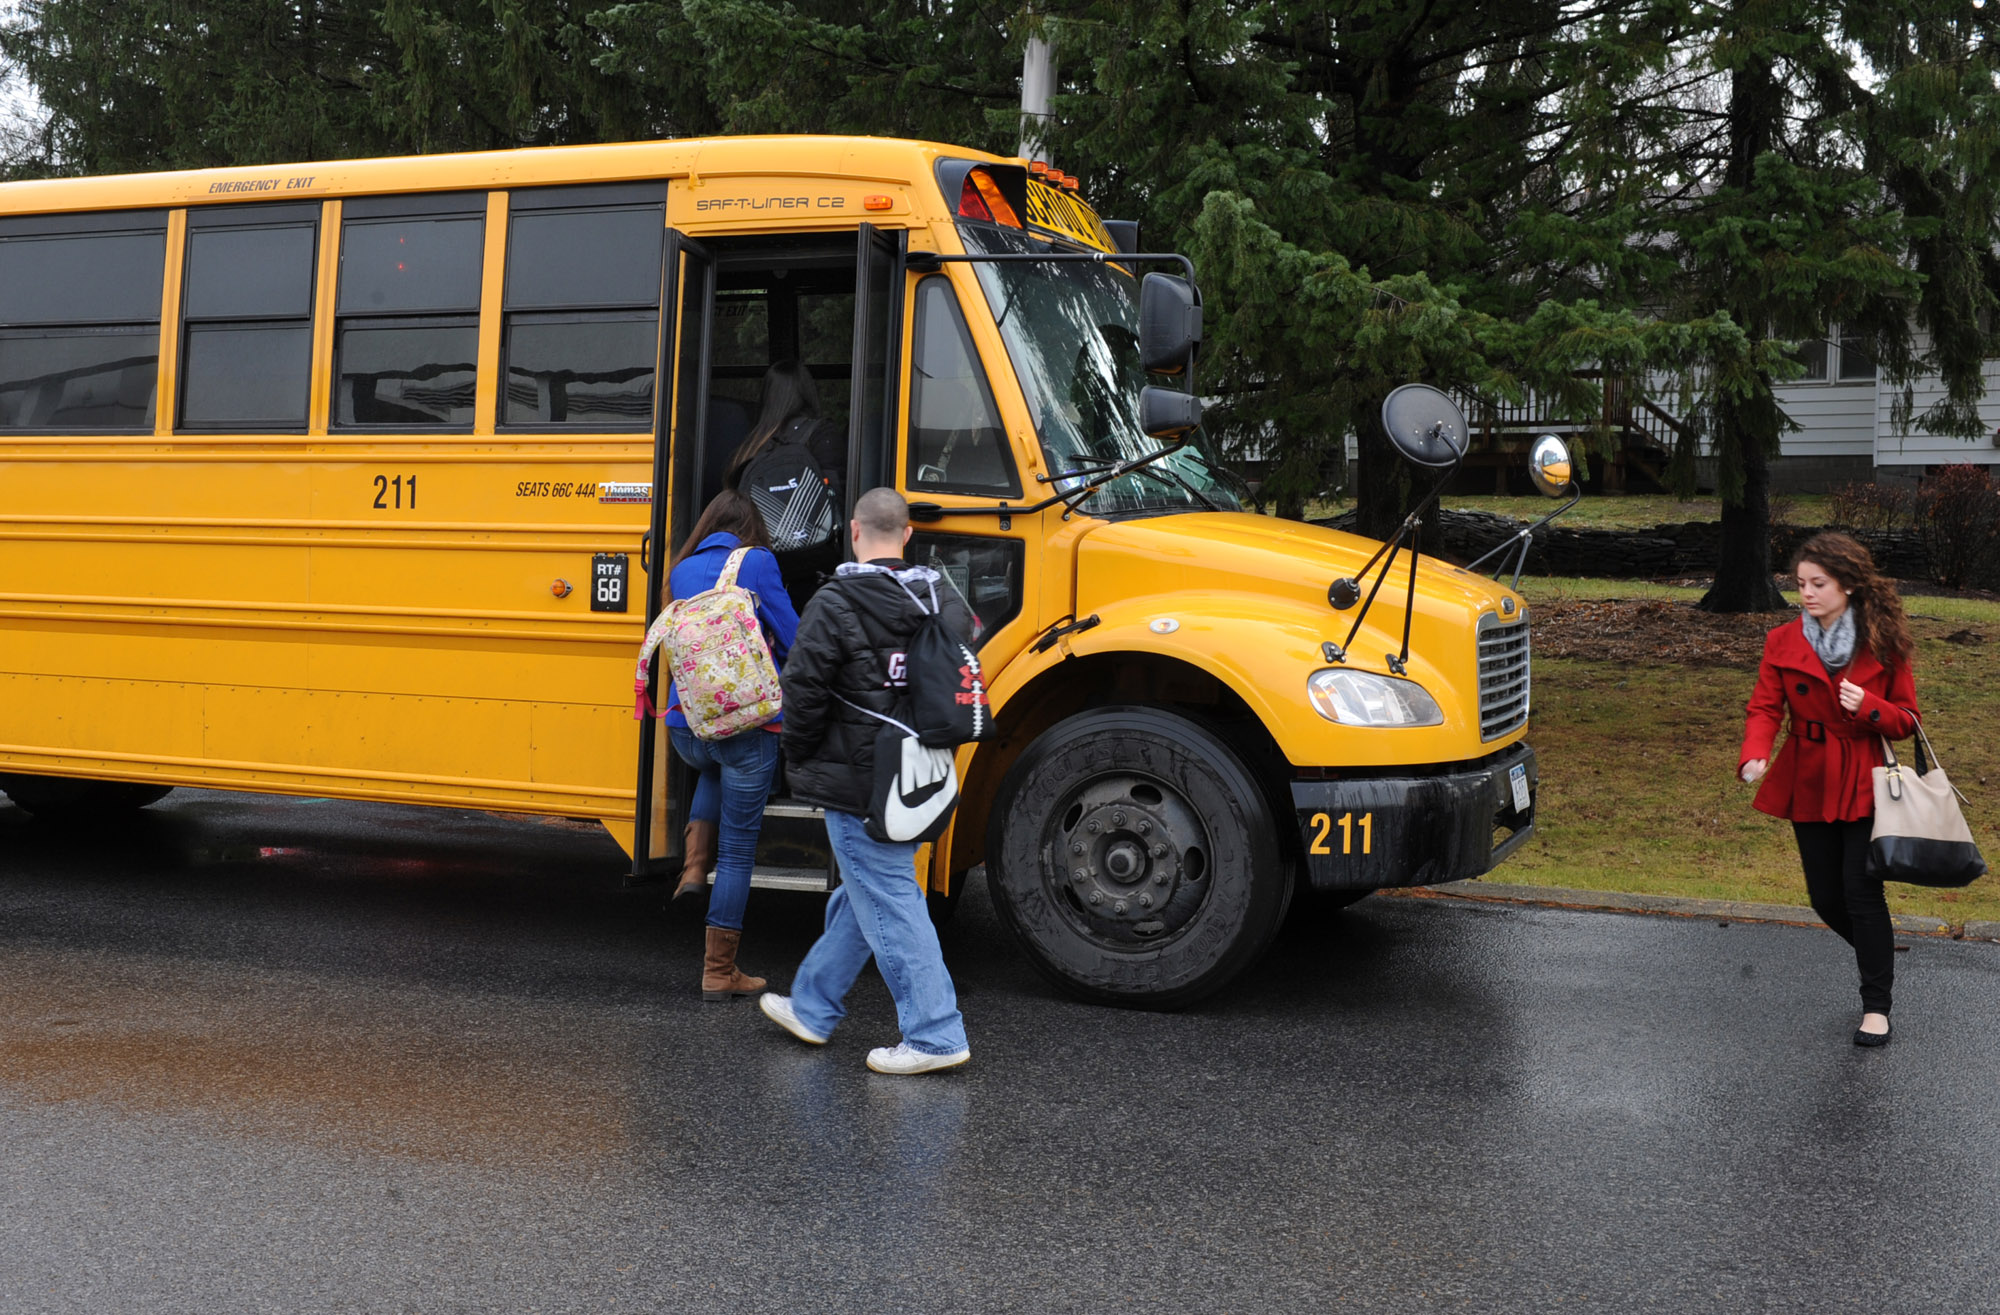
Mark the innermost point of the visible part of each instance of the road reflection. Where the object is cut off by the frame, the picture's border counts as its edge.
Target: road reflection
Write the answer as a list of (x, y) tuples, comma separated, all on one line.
[(404, 1073)]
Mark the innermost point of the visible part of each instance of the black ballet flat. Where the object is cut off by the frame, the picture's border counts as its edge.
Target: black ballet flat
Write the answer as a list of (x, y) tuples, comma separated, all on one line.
[(1862, 1038)]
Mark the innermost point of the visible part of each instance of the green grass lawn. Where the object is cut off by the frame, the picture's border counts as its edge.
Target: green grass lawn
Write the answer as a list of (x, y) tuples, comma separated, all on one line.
[(1638, 788)]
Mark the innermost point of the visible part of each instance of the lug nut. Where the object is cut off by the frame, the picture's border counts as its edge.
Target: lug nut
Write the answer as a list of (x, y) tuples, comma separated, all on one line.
[(1118, 819), (1119, 907), (1143, 827), (1081, 874), (1159, 878), (1076, 847), (1096, 897), (1145, 901), (1091, 826), (1159, 851)]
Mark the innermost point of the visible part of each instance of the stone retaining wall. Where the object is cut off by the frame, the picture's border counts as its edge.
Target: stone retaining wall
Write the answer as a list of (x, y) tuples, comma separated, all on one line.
[(1687, 549)]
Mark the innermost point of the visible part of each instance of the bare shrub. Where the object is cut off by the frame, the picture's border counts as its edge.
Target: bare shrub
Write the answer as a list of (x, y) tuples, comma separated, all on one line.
[(1959, 515), (1866, 505)]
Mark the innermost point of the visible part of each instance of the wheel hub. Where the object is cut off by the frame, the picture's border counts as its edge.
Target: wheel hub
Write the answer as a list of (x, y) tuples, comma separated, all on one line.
[(1124, 860)]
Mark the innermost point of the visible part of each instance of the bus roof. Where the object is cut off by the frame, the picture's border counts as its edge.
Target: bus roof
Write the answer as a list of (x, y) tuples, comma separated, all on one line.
[(890, 161)]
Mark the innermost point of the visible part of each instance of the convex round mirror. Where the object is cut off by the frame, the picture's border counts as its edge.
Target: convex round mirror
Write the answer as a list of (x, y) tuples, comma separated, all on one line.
[(1549, 466), (1425, 425)]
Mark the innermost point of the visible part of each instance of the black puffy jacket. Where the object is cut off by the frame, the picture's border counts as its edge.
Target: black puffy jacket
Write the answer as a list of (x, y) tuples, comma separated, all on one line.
[(850, 646)]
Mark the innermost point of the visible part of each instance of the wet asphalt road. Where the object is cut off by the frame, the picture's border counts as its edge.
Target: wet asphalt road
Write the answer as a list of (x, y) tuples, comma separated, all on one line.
[(280, 1055)]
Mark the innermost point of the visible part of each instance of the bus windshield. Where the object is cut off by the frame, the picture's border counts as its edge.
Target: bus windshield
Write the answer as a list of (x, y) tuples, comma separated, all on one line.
[(1072, 332)]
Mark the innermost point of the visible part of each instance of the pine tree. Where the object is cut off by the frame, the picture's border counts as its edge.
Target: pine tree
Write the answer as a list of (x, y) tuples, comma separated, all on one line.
[(158, 84), (1384, 192), (1815, 188)]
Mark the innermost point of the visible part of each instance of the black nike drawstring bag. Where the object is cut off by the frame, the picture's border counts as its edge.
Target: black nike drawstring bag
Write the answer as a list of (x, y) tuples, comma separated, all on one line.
[(915, 787)]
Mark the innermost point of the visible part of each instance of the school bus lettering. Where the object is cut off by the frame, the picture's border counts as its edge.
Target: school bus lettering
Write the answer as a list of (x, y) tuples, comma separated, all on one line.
[(232, 186), (537, 488), (756, 204)]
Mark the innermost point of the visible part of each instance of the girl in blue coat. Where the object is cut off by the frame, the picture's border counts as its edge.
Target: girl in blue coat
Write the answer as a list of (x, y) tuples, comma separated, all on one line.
[(733, 775)]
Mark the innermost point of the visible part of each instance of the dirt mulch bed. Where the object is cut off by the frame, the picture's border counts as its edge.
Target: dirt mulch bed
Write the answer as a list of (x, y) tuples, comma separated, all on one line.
[(1651, 631)]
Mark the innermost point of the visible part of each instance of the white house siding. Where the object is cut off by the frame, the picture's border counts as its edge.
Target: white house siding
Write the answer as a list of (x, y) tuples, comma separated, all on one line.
[(1834, 420), (1916, 448)]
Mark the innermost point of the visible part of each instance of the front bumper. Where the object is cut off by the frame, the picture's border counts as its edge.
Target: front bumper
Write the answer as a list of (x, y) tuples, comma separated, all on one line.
[(1366, 832)]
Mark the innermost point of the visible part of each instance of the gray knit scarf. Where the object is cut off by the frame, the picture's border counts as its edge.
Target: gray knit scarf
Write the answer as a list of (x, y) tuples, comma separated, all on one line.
[(1834, 645)]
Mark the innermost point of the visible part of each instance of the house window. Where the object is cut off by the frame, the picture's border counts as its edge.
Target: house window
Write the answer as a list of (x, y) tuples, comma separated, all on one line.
[(1857, 359), (1812, 355)]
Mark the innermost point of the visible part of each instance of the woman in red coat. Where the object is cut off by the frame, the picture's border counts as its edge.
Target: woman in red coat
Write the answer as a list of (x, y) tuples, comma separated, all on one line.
[(1843, 671)]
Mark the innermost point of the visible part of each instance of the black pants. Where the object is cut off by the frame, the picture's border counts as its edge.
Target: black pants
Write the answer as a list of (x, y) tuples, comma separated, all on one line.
[(1847, 899)]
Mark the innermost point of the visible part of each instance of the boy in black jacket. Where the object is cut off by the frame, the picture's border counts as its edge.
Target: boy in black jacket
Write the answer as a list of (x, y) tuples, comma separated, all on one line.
[(847, 661)]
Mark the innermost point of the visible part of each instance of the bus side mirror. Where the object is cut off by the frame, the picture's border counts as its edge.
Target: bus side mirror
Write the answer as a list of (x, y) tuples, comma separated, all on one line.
[(1169, 324), (1167, 412), (1549, 466)]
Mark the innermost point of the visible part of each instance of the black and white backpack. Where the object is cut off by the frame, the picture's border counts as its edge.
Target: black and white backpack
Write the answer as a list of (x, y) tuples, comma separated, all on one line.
[(791, 492)]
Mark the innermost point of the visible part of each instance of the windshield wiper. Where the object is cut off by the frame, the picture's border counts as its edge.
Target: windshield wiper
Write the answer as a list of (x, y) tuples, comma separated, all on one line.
[(1070, 499), (1088, 465), (1168, 472)]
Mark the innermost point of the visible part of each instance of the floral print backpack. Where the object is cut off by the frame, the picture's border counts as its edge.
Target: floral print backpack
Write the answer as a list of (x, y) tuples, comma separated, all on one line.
[(716, 657)]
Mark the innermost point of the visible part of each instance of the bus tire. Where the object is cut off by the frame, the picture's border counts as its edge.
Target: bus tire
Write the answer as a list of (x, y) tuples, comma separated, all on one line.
[(63, 798), (1135, 858)]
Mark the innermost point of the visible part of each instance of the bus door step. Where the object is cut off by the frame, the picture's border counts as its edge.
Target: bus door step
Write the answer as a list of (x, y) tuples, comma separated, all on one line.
[(763, 877)]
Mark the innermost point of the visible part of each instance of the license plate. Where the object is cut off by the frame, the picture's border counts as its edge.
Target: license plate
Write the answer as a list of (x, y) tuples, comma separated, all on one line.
[(1517, 780)]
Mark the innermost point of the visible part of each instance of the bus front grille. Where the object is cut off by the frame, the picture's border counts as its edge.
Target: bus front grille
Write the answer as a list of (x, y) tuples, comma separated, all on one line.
[(1503, 676)]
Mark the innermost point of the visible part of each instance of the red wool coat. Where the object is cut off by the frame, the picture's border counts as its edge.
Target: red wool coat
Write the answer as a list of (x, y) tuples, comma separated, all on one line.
[(1822, 773)]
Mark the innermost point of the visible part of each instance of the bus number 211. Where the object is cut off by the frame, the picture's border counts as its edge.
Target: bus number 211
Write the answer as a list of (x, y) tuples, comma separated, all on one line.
[(389, 492), (1348, 825)]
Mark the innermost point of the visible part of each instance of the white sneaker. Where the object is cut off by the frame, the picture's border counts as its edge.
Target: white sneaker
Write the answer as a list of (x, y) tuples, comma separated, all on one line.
[(778, 1008), (901, 1060)]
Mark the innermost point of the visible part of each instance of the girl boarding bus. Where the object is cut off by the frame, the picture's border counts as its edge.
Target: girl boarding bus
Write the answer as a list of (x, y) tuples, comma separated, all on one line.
[(352, 479)]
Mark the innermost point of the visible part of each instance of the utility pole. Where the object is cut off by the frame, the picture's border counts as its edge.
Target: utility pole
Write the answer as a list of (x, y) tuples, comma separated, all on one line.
[(1038, 81)]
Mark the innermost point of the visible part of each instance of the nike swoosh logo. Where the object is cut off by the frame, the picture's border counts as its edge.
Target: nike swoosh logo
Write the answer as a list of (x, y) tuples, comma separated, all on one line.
[(928, 772)]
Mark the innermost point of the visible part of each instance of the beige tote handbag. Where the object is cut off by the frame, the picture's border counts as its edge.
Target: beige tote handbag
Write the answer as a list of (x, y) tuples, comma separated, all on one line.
[(1920, 835)]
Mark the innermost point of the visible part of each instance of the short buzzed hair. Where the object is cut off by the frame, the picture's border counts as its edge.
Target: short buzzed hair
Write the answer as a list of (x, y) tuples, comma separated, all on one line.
[(882, 512)]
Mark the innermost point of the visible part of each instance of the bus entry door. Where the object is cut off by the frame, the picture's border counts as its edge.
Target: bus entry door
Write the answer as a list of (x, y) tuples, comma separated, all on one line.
[(679, 420), (878, 342)]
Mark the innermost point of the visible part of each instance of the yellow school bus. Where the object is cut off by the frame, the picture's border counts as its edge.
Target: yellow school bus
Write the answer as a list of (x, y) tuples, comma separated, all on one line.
[(353, 479)]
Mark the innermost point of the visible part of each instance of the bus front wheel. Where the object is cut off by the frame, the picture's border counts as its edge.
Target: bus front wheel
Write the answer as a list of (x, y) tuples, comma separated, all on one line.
[(53, 798), (1134, 856)]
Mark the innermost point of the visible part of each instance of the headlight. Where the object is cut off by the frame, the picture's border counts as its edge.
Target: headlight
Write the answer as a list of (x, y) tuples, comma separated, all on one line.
[(1357, 698)]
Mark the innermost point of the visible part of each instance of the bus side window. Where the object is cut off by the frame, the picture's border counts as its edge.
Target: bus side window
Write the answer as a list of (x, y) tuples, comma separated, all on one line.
[(957, 443), (985, 571), (246, 317), (80, 320), (406, 340), (583, 307)]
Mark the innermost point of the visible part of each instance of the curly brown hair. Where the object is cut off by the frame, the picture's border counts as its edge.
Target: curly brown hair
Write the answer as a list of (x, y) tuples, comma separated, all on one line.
[(1878, 608)]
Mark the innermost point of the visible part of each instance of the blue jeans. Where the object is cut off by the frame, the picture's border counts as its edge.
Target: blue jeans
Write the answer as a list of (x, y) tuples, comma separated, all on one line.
[(734, 781), (879, 909)]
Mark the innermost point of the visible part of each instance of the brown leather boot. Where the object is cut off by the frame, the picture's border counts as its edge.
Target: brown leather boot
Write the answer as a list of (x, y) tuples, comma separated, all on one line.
[(719, 977), (698, 849)]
